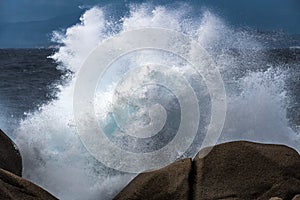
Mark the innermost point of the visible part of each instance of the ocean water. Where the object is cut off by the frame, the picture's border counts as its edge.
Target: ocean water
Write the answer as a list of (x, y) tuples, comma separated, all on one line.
[(261, 74)]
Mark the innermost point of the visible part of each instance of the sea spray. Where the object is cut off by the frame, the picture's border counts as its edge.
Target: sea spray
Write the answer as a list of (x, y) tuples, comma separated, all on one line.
[(55, 158)]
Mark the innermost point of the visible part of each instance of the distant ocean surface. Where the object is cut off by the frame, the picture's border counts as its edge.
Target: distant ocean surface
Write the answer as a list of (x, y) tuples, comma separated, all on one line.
[(29, 78)]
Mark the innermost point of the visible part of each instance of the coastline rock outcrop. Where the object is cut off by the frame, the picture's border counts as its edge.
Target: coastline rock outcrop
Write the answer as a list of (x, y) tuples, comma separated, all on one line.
[(247, 170), (170, 182), (10, 157), (234, 170), (12, 185)]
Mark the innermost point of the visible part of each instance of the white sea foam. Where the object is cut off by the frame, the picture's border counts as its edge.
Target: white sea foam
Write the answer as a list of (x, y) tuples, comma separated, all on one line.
[(55, 158)]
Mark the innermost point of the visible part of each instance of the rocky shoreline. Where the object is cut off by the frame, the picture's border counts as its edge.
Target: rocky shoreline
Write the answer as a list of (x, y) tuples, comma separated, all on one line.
[(232, 171), (12, 185)]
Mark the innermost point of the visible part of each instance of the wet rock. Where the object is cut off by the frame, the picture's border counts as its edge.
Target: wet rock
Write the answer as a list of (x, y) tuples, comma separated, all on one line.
[(10, 158), (13, 187), (232, 171), (247, 170), (169, 183)]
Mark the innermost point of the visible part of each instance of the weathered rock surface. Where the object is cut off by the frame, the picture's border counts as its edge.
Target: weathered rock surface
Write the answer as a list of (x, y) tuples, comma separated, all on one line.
[(247, 170), (13, 187), (235, 170), (169, 183), (10, 158)]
